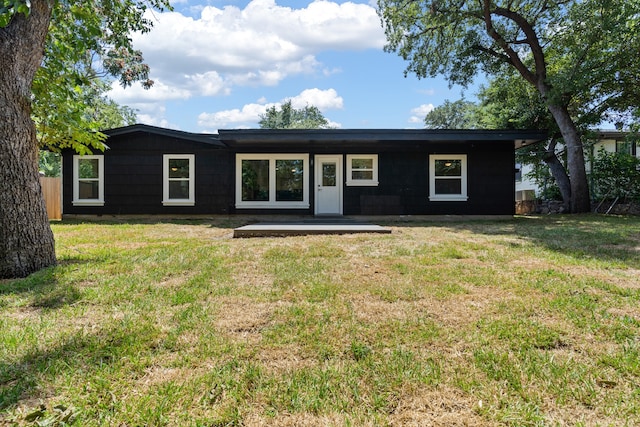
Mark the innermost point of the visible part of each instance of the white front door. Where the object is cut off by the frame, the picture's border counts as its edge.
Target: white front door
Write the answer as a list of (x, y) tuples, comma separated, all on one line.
[(328, 181)]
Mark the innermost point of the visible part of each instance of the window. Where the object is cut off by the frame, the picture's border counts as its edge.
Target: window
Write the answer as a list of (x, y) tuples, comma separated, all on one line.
[(448, 177), (624, 147), (362, 169), (272, 181), (178, 180), (88, 180)]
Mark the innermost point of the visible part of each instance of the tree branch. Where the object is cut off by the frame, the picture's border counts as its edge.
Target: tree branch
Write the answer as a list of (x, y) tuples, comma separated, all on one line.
[(493, 53), (531, 40)]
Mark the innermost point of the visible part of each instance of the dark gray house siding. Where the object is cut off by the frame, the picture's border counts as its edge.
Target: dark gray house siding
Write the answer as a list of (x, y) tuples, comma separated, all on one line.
[(133, 173), (404, 183), (134, 183)]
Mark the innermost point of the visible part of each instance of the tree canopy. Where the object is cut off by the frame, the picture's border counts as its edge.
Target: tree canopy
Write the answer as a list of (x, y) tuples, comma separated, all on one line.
[(86, 43), (288, 117), (87, 113), (564, 49), (458, 114)]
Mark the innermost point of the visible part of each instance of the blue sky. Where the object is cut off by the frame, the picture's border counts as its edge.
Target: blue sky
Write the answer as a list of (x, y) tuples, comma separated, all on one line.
[(219, 64)]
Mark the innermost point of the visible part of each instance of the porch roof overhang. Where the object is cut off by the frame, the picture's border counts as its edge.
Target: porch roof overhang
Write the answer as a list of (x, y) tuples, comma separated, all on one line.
[(340, 137), (611, 134)]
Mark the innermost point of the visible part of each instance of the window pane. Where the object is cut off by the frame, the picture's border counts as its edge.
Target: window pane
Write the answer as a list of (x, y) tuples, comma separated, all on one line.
[(362, 175), (255, 180), (289, 180), (623, 147), (88, 168), (178, 168), (88, 190), (179, 189), (361, 164), (448, 186), (328, 174), (448, 167)]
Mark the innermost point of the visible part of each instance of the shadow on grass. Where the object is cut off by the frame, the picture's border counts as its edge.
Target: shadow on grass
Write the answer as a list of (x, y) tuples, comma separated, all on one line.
[(77, 358), (44, 287), (612, 238)]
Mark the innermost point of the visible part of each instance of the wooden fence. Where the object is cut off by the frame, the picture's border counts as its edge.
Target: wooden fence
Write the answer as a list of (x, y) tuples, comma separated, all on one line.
[(51, 190)]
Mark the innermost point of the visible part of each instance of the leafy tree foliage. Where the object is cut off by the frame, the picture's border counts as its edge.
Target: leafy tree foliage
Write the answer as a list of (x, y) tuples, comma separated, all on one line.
[(616, 175), (288, 117), (562, 48), (50, 51), (69, 87), (49, 163), (97, 109), (90, 112), (458, 114)]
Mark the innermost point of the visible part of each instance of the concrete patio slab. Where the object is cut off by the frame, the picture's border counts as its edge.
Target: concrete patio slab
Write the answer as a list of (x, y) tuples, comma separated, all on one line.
[(306, 227)]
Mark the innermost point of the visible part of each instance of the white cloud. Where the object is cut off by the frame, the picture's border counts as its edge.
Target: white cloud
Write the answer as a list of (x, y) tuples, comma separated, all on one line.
[(156, 121), (323, 99), (249, 115), (154, 116), (206, 84), (208, 51), (137, 94), (331, 71), (428, 92), (261, 44), (418, 113)]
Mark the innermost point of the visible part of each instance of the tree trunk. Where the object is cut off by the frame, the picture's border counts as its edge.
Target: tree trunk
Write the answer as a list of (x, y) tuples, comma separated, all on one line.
[(559, 174), (26, 239), (580, 200)]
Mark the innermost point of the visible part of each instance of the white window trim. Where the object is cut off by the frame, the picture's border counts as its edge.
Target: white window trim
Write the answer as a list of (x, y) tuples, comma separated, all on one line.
[(362, 182), (77, 201), (272, 203), (166, 201), (462, 197)]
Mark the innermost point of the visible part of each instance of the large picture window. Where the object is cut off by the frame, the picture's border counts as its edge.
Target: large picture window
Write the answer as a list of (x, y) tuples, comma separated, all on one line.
[(272, 181), (448, 177), (362, 169), (178, 180), (88, 180)]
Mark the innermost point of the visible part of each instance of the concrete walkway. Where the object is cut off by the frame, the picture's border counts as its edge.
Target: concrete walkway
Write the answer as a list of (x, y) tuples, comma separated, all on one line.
[(306, 227)]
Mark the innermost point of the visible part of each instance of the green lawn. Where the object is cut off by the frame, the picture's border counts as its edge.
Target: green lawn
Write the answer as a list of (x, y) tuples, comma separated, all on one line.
[(528, 322)]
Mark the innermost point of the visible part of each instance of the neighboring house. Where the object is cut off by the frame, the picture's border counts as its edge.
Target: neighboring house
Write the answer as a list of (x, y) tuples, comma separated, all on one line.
[(611, 141), (150, 170)]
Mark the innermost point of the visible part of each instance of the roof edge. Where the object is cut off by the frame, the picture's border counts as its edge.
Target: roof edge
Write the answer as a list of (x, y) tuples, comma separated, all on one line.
[(520, 137), (138, 127)]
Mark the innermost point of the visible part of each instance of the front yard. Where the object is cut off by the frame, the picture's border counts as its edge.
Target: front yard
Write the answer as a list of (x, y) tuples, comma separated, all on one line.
[(534, 321)]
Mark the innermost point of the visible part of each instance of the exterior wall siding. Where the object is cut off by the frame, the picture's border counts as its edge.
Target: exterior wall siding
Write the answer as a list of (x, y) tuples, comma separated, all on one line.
[(133, 177), (404, 183), (134, 180)]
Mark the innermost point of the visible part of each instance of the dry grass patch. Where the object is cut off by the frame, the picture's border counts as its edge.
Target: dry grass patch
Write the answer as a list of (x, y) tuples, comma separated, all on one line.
[(443, 406), (243, 318), (514, 323)]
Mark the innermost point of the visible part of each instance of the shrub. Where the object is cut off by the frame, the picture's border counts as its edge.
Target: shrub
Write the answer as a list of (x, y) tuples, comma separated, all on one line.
[(615, 175)]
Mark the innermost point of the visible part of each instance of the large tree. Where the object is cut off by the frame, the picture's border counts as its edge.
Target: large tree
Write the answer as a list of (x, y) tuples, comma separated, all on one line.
[(509, 102), (288, 117), (561, 47), (61, 41)]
